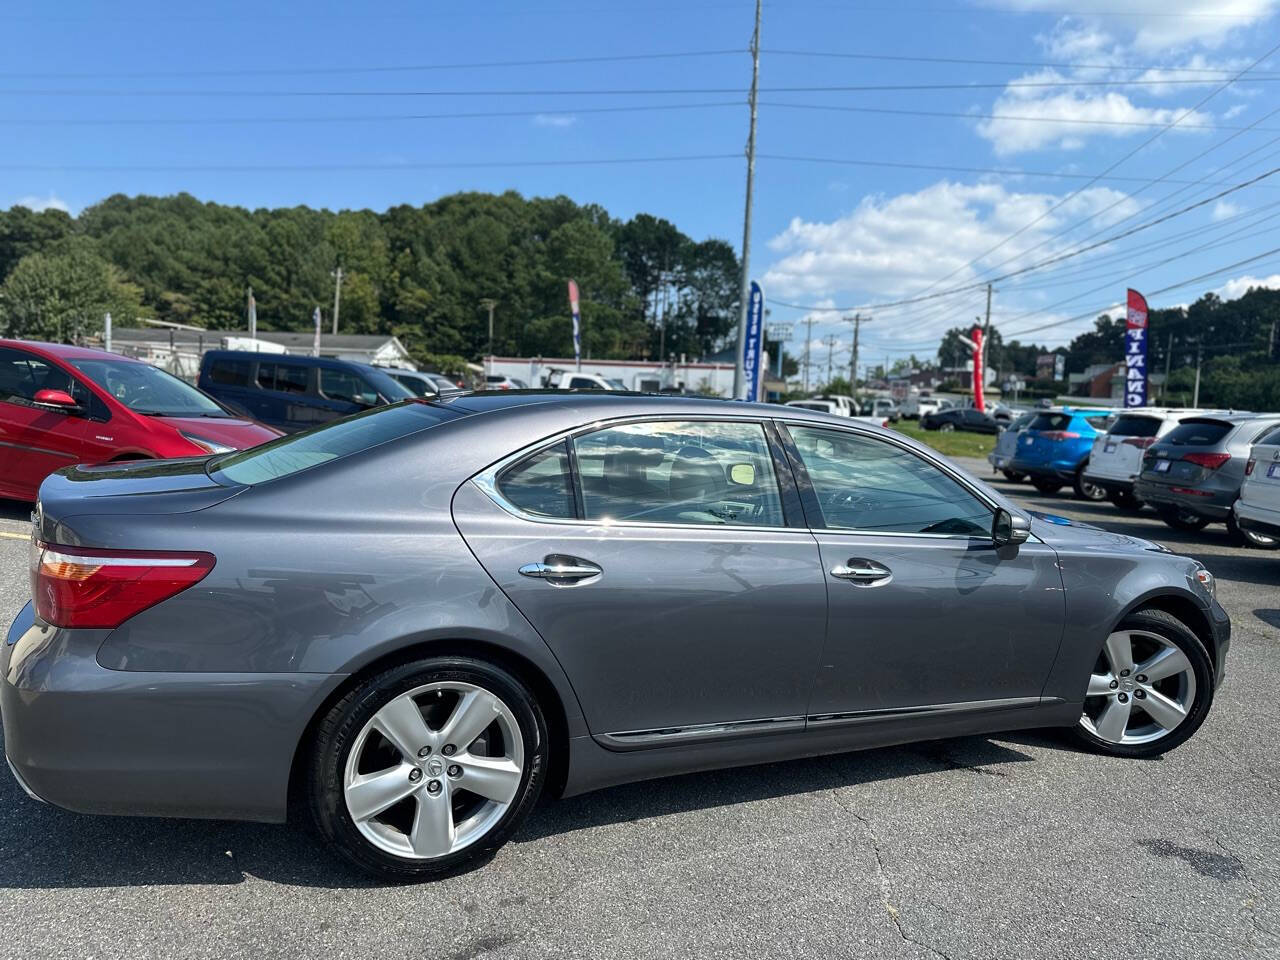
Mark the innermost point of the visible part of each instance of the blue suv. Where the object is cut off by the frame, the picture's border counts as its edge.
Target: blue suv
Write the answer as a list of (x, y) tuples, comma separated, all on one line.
[(1054, 449), (292, 392)]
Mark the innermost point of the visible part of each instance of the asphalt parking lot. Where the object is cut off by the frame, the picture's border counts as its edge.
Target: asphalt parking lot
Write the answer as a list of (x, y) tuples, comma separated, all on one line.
[(1011, 846)]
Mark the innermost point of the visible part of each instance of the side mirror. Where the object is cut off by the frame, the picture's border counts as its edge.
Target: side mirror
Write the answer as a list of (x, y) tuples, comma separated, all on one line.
[(56, 400), (1007, 529)]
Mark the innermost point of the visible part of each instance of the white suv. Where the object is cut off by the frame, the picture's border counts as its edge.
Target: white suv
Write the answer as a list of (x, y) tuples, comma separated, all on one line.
[(1116, 458), (1258, 509)]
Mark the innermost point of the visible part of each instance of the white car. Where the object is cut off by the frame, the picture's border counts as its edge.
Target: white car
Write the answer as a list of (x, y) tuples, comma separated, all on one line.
[(1116, 458), (833, 406), (1258, 509), (576, 380)]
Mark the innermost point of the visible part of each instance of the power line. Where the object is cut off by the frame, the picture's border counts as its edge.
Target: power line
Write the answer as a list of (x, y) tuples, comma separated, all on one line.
[(327, 167)]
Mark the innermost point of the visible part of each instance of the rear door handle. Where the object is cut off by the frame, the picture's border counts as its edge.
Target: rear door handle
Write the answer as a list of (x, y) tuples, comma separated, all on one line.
[(864, 573), (561, 570)]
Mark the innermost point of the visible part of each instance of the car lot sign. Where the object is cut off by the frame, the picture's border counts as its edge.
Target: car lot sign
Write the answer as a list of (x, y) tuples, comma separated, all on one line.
[(752, 349), (1135, 351)]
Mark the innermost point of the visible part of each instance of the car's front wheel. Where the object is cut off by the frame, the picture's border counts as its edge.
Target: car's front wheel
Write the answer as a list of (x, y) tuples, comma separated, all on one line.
[(427, 766), (1150, 689), (947, 427)]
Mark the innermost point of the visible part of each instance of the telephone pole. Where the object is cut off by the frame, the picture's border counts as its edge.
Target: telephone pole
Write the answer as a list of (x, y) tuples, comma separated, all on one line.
[(1195, 399), (1168, 357), (808, 339), (831, 342), (857, 320), (744, 289), (337, 297), (488, 303)]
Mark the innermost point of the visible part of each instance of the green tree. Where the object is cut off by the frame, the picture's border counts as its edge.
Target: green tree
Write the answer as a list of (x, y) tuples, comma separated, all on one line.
[(62, 296)]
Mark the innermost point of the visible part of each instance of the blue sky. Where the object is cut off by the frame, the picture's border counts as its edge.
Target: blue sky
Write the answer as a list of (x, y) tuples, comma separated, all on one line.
[(158, 98)]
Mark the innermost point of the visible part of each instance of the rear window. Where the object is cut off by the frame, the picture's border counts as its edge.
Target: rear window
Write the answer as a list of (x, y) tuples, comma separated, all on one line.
[(1051, 421), (1198, 433), (1272, 439), (1127, 425), (333, 441)]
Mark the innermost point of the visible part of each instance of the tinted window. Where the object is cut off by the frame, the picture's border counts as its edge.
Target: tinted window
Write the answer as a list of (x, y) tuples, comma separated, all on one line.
[(1127, 425), (1197, 433), (1261, 436), (344, 385), (300, 451), (285, 377), (1098, 423), (679, 472), (540, 484), (583, 383), (867, 484), (1051, 421), (1022, 422), (1272, 439), (23, 374), (148, 390), (233, 373), (419, 386)]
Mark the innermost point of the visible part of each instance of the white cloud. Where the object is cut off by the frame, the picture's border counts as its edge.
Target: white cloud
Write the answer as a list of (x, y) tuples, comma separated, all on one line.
[(556, 120), (1157, 25), (1233, 112), (889, 247), (1224, 209), (1242, 285), (40, 204)]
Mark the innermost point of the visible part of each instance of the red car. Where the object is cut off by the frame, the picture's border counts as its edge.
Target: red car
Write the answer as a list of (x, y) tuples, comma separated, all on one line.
[(62, 405)]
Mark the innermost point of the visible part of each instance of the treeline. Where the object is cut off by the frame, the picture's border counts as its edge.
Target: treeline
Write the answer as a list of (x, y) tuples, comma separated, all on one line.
[(1236, 343), (417, 272)]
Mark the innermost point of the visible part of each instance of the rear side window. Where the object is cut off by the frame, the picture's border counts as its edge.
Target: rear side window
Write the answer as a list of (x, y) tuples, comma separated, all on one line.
[(583, 383), (1197, 433), (1051, 421), (541, 484), (285, 377), (1127, 425), (300, 451), (231, 373)]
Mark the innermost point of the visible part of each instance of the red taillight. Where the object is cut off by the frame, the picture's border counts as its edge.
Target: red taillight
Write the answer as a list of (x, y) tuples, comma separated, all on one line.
[(1248, 467), (1210, 461), (1191, 491), (1057, 436), (1140, 442), (80, 587)]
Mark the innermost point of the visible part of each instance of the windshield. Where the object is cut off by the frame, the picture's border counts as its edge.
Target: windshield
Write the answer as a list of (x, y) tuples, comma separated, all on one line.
[(148, 390), (340, 438)]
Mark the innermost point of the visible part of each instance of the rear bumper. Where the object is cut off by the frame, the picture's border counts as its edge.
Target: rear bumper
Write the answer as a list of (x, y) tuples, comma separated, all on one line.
[(1110, 484), (155, 744), (1053, 469), (1216, 506), (1257, 519)]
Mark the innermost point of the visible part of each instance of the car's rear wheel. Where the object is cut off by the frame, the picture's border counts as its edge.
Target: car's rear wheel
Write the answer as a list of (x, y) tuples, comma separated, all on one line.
[(1085, 490), (1249, 538), (427, 766), (1150, 689), (1125, 500), (947, 427), (1013, 476), (1182, 519), (1046, 486)]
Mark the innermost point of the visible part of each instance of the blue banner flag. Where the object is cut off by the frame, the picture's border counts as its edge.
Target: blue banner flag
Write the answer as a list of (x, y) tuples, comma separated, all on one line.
[(753, 347)]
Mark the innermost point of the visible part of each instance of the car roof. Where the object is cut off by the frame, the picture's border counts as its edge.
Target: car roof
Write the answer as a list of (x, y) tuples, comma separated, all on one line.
[(65, 351), (301, 358)]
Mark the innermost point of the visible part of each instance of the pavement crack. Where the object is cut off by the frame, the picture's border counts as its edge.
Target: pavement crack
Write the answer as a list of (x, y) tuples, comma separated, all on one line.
[(882, 877)]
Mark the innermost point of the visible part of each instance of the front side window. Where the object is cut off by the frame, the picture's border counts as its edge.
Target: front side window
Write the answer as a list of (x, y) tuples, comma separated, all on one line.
[(867, 484), (346, 386), (687, 472)]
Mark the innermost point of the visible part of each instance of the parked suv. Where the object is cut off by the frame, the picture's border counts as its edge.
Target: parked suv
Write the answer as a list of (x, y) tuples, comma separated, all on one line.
[(1192, 475), (423, 384), (62, 405), (1054, 448), (1116, 458), (1258, 509), (1007, 445), (293, 393)]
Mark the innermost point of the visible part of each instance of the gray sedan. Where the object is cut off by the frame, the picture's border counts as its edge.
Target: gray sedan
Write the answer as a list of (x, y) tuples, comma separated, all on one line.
[(415, 620)]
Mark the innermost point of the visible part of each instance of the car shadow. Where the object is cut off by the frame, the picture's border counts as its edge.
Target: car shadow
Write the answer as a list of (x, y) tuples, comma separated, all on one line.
[(15, 510), (43, 846)]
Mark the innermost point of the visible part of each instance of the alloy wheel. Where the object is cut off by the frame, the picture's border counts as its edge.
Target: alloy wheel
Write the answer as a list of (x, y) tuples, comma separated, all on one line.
[(1142, 688), (434, 770)]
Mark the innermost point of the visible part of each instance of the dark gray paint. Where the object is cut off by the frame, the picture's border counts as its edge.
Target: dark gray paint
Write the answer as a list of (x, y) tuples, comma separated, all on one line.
[(198, 706)]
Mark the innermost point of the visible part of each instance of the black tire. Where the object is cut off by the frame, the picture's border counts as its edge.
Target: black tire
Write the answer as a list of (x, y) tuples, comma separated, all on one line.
[(1247, 538), (1084, 490), (1125, 500), (1178, 633), (1045, 485), (1013, 476), (346, 718), (947, 427), (1184, 520)]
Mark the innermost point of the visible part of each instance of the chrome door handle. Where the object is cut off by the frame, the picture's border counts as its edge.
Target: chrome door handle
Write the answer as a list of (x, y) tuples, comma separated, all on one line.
[(864, 573), (561, 570)]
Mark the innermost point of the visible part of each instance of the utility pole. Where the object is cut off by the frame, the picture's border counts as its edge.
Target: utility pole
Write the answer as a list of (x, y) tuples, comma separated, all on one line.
[(488, 303), (831, 342), (337, 297), (744, 289), (1195, 399), (253, 316), (857, 320), (808, 339), (1168, 357)]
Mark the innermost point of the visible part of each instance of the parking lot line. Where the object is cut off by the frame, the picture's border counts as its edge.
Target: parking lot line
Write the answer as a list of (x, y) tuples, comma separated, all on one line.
[(14, 536)]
